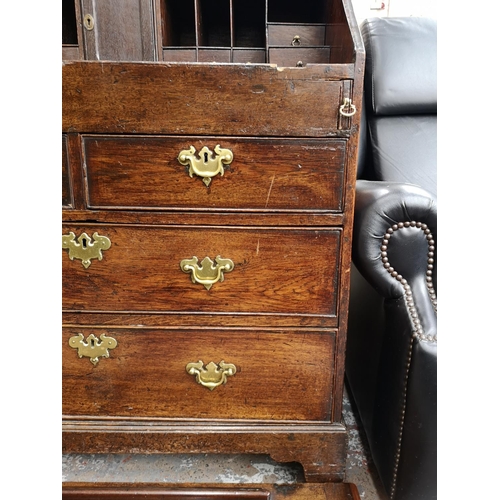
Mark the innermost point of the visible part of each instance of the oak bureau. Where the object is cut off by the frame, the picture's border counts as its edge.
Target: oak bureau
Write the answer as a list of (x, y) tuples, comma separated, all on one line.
[(208, 184)]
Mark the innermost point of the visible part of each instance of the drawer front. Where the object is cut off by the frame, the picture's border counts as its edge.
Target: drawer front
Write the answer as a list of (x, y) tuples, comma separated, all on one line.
[(267, 175), (298, 56), (245, 55), (297, 35), (235, 55), (287, 271), (200, 99), (276, 375)]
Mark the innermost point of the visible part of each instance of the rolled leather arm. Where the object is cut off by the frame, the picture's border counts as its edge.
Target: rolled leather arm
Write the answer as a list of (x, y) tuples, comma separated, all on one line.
[(381, 210), (392, 340)]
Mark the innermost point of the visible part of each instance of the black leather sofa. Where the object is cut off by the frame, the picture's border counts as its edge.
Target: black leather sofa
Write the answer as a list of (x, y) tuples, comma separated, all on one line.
[(391, 363)]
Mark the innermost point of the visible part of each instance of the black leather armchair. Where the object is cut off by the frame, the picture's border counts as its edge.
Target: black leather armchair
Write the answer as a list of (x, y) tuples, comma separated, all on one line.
[(391, 363)]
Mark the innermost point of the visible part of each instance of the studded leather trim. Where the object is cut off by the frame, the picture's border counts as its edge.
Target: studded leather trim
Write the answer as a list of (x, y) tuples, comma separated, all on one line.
[(418, 332)]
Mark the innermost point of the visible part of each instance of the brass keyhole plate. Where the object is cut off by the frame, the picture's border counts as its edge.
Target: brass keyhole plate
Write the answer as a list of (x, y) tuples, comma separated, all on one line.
[(88, 22)]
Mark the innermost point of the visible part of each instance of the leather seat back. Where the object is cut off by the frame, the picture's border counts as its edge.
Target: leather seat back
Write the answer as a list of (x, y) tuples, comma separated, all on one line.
[(400, 103)]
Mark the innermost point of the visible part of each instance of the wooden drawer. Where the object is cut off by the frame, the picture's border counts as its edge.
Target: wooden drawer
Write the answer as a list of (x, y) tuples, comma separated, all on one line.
[(179, 54), (297, 35), (279, 376), (286, 271), (201, 99), (214, 55), (235, 55), (246, 55), (268, 174), (299, 56)]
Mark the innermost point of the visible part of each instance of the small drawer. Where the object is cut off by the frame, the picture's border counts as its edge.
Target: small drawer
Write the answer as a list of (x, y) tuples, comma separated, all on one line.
[(297, 35), (268, 375), (179, 54), (214, 55), (70, 52), (246, 174), (245, 55), (298, 56), (177, 270)]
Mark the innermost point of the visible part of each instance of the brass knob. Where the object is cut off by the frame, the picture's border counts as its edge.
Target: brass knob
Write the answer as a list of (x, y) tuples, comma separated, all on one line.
[(296, 41)]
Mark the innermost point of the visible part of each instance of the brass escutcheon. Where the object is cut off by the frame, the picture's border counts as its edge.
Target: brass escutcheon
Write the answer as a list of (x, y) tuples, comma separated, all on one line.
[(213, 375), (88, 22), (93, 348), (348, 108), (208, 272), (205, 165), (83, 248)]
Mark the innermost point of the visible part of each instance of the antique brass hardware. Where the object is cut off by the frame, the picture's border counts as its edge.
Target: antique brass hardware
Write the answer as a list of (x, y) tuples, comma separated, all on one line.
[(205, 165), (296, 40), (93, 348), (83, 248), (348, 108), (88, 22), (213, 375), (209, 272)]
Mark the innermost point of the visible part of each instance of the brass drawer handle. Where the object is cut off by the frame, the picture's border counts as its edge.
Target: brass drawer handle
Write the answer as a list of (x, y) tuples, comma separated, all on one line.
[(296, 41), (351, 109), (84, 248), (93, 348), (205, 165), (208, 272), (212, 375)]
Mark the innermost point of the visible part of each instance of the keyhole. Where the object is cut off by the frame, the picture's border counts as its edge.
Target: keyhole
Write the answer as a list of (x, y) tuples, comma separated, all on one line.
[(84, 242), (205, 155), (88, 22), (92, 342)]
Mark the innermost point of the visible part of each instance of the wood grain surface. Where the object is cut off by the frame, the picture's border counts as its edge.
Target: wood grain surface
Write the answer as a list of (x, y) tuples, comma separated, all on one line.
[(235, 99), (145, 375), (291, 271), (312, 491), (143, 172)]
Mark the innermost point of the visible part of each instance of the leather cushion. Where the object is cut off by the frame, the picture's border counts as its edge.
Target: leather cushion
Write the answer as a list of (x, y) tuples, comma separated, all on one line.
[(404, 149), (401, 65)]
